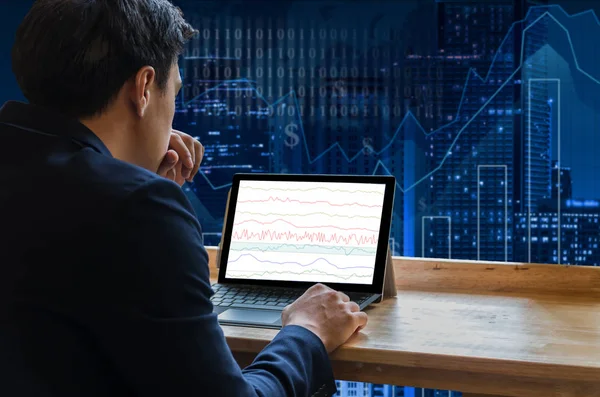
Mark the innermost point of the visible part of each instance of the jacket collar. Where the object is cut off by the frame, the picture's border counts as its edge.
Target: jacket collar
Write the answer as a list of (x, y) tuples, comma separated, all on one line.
[(39, 119)]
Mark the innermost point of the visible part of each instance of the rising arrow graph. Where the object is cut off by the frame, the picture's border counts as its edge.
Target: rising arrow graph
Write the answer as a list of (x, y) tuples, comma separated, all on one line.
[(472, 73)]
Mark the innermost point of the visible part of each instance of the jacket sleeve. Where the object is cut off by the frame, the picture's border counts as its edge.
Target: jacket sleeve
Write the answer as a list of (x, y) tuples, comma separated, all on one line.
[(158, 328)]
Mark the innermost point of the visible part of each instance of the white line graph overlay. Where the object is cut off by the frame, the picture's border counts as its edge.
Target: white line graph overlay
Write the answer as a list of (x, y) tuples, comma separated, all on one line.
[(472, 72)]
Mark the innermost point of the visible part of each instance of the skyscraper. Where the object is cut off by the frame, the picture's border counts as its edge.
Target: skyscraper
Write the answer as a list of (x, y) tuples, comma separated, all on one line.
[(562, 182), (422, 87), (533, 122), (481, 150)]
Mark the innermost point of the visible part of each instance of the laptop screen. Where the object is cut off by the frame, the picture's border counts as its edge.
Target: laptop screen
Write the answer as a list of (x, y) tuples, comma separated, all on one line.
[(305, 231)]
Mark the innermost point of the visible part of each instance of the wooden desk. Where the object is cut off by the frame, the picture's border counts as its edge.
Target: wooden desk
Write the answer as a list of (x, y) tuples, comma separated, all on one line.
[(481, 328)]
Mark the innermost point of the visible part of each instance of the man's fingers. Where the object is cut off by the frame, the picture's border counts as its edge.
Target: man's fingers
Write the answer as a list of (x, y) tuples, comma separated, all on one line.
[(344, 297), (190, 144), (199, 150), (353, 306), (168, 162), (172, 174), (190, 152), (171, 168), (317, 288), (185, 154), (361, 319)]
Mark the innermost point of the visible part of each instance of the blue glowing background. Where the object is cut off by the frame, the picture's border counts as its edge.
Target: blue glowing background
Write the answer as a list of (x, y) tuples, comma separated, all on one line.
[(466, 103), (485, 111)]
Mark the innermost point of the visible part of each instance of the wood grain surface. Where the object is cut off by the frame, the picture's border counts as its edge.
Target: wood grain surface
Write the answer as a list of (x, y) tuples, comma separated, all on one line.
[(485, 332)]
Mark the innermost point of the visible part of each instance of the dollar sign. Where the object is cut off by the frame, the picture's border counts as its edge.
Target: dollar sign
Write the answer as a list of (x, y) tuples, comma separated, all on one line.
[(290, 131), (368, 148), (339, 88)]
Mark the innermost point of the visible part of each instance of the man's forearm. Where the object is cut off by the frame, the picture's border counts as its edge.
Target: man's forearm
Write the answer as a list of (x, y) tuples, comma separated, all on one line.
[(294, 364)]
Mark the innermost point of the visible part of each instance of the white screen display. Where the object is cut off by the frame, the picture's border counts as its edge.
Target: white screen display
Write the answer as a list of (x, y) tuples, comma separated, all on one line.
[(306, 231)]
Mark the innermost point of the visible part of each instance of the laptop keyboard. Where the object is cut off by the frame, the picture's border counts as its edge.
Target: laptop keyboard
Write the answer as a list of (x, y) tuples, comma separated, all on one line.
[(242, 296)]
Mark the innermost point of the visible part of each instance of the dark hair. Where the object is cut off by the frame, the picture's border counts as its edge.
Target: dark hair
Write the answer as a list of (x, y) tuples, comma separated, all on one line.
[(74, 56)]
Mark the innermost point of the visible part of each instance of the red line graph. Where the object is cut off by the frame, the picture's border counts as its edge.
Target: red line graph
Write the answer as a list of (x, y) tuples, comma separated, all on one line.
[(288, 200), (306, 227), (272, 235)]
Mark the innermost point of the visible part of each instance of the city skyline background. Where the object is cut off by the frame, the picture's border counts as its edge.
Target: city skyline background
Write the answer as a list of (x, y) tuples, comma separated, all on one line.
[(485, 112), (465, 103)]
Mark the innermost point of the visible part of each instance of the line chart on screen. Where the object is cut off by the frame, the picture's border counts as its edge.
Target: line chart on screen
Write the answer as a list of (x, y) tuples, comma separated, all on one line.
[(306, 231)]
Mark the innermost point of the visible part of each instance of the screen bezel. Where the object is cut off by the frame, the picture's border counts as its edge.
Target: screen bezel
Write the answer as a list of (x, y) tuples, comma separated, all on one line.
[(375, 287)]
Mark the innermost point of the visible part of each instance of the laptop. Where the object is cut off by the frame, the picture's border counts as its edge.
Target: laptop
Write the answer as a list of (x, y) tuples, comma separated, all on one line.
[(284, 233)]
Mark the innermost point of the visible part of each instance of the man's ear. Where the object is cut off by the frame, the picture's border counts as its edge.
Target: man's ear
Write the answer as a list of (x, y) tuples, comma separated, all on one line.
[(140, 94)]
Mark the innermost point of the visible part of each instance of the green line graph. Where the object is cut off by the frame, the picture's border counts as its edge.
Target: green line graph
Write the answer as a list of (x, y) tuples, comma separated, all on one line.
[(255, 274), (303, 248), (283, 215)]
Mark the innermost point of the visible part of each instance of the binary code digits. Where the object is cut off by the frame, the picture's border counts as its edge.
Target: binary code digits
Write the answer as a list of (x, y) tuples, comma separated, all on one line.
[(460, 101)]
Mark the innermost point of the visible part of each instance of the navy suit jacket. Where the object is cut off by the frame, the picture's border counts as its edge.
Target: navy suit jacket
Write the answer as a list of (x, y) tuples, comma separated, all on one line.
[(104, 281)]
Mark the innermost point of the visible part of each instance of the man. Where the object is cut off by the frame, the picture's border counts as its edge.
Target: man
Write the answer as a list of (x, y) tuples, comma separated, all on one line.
[(104, 282)]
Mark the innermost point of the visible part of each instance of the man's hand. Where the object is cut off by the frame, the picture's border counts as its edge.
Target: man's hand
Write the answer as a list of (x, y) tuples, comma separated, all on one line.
[(183, 158), (328, 314)]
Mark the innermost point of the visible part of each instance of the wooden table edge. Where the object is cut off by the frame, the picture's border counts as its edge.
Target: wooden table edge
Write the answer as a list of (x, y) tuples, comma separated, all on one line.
[(446, 362), (490, 376)]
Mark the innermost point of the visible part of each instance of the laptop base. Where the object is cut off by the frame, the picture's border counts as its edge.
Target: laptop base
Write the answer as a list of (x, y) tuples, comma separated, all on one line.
[(266, 316)]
